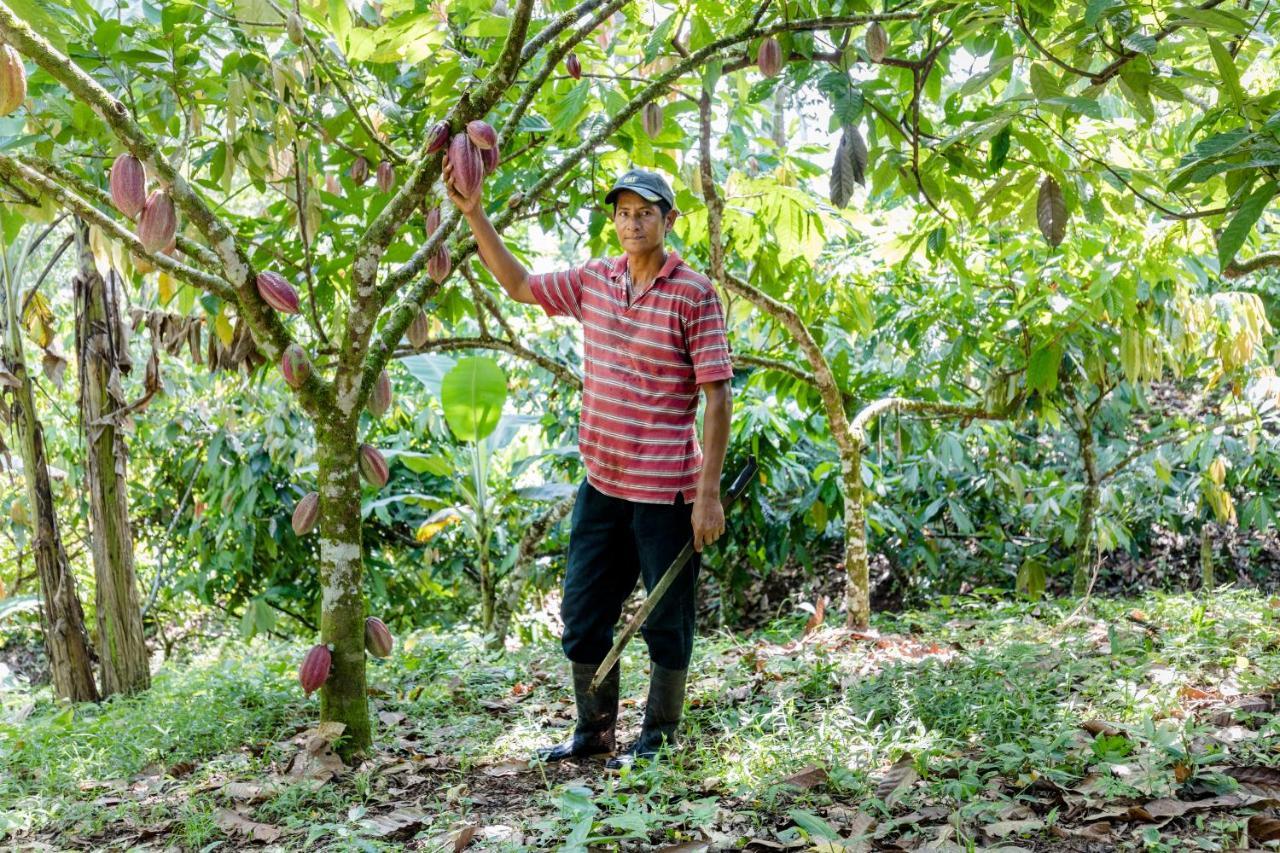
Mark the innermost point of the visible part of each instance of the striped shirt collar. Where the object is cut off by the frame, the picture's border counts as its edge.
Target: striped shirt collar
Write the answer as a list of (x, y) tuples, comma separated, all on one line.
[(619, 266)]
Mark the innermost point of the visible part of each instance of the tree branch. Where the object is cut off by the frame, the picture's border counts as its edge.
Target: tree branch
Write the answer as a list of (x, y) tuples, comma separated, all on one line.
[(561, 372), (1262, 260)]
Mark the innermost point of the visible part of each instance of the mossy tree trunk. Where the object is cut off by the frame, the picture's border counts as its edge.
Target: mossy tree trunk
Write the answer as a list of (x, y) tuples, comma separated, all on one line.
[(102, 355), (66, 642), (343, 697), (1088, 506)]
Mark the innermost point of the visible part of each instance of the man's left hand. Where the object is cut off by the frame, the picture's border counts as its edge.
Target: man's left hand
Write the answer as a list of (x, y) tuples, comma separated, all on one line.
[(708, 521)]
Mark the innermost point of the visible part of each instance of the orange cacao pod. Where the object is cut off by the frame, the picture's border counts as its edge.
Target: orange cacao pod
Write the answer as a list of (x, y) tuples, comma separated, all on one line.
[(13, 80)]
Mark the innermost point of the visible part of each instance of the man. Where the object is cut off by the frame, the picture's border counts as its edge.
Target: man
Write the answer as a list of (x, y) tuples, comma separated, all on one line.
[(654, 334)]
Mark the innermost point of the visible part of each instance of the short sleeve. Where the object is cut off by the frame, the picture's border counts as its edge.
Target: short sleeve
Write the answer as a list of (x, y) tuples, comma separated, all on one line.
[(708, 344), (559, 293)]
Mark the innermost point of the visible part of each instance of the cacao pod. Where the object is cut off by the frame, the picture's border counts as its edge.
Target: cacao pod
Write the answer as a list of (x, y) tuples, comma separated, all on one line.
[(277, 292), (468, 168), (332, 186), (769, 57), (128, 185), (439, 265), (573, 66), (877, 42), (306, 514), (359, 172), (489, 159), (377, 638), (1051, 211), (13, 80), (158, 223), (652, 119), (293, 26), (433, 220), (380, 397), (482, 134), (438, 139), (419, 330), (386, 176), (315, 668), (373, 466), (295, 365)]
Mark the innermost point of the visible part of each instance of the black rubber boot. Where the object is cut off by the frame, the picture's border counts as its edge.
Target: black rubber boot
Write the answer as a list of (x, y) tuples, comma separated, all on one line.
[(597, 715), (661, 717)]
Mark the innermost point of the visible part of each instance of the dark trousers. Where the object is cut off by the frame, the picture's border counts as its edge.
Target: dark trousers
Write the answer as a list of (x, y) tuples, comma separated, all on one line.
[(612, 542)]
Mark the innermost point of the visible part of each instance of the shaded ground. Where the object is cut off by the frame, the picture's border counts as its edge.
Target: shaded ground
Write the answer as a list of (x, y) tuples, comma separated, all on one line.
[(1143, 725)]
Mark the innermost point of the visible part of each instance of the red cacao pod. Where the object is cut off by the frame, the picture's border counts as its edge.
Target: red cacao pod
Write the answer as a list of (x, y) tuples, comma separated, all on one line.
[(468, 168), (419, 330), (158, 223), (652, 119), (315, 668), (489, 159), (277, 292), (380, 397), (295, 365), (373, 466), (377, 638), (482, 134), (386, 176), (438, 139), (769, 57), (359, 172), (439, 265), (573, 66), (128, 185), (306, 514), (13, 80), (433, 220)]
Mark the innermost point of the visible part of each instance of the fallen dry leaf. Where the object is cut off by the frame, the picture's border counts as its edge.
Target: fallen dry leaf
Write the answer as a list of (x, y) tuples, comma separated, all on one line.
[(507, 768), (685, 847), (233, 823), (1003, 828), (1168, 807), (809, 777), (1263, 781), (896, 779), (1264, 828), (400, 824), (453, 841), (390, 718), (1098, 727)]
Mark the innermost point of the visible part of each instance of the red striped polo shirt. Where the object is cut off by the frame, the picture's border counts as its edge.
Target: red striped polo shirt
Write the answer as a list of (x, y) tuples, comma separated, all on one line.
[(643, 364)]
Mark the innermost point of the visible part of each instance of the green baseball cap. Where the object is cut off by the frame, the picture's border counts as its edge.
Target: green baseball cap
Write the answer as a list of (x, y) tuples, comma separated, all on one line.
[(648, 185)]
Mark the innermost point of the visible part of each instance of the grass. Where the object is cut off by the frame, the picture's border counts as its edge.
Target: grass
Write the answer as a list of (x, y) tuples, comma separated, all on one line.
[(986, 701)]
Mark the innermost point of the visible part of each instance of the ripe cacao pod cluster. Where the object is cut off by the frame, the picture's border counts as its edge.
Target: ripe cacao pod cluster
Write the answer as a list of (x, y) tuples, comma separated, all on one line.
[(315, 667), (157, 220), (377, 638), (13, 80)]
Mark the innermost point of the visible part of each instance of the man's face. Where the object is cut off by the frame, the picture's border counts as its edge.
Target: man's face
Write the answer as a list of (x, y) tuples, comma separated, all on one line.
[(640, 225)]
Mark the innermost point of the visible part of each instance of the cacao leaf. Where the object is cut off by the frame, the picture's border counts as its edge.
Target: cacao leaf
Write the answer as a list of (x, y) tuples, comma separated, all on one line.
[(858, 150), (1234, 235), (1051, 211), (1227, 68)]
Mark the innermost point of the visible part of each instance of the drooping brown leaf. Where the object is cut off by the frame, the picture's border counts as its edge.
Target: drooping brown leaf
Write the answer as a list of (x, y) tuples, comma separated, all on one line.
[(849, 165), (816, 617), (1051, 211), (809, 777), (897, 779), (234, 823)]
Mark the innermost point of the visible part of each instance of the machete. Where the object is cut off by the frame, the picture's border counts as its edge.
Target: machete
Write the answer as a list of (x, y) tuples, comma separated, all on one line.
[(736, 490)]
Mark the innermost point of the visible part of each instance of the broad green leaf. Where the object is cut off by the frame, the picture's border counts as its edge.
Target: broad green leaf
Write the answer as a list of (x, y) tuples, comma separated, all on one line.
[(1042, 368), (659, 38), (473, 394), (1227, 68), (1234, 235)]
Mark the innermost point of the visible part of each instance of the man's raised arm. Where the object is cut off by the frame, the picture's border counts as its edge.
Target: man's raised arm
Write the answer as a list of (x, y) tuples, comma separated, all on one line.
[(509, 272)]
